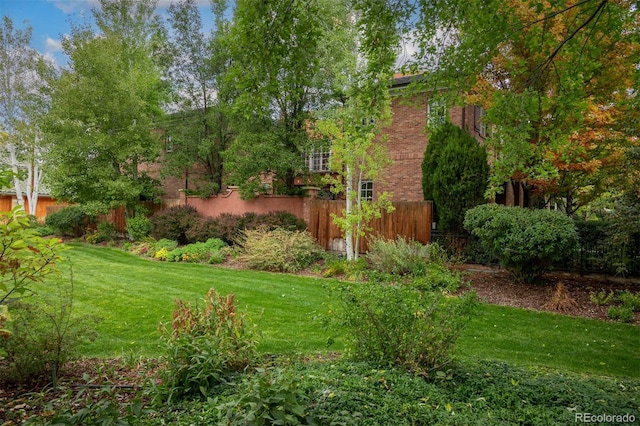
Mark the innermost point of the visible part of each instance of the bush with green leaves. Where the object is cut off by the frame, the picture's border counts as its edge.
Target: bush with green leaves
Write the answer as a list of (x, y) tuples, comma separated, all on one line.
[(601, 298), (278, 249), (621, 313), (526, 242), (106, 231), (206, 252), (43, 337), (227, 226), (45, 231), (166, 244), (455, 173), (403, 325), (402, 257), (138, 227), (271, 396), (630, 299), (205, 346), (70, 221), (25, 256), (174, 223)]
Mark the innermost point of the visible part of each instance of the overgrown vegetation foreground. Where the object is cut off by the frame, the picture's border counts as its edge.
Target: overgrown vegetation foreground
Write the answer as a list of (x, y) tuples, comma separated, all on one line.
[(408, 329), (215, 367)]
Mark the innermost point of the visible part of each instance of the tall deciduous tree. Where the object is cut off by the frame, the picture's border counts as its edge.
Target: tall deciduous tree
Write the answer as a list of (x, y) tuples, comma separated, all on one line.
[(23, 74), (281, 74), (358, 150), (104, 108), (202, 129), (556, 78)]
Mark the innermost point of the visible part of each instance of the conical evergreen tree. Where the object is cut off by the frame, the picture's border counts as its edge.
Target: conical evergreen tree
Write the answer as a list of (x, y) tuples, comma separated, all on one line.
[(455, 173)]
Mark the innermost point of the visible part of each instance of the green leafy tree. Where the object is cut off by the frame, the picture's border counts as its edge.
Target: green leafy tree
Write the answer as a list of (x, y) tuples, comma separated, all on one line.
[(282, 70), (358, 151), (557, 80), (104, 108), (202, 130), (23, 98), (455, 172), (356, 156)]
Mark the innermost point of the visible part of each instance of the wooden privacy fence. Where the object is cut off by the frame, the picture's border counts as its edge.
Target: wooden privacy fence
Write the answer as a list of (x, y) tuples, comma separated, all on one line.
[(410, 219)]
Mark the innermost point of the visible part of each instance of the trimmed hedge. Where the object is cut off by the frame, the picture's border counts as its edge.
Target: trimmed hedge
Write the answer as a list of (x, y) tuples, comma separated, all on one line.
[(526, 242), (71, 221)]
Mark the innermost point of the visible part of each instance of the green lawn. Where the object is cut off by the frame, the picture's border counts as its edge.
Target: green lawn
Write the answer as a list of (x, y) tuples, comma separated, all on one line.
[(133, 295)]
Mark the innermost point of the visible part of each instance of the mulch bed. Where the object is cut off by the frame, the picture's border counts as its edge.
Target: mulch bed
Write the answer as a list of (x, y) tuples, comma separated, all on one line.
[(496, 286)]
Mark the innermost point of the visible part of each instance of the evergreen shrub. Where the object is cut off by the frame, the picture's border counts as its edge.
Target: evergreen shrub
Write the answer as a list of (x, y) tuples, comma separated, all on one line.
[(455, 173), (526, 242), (138, 227)]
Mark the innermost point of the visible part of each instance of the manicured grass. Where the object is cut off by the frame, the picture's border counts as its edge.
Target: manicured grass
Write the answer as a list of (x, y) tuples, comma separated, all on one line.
[(133, 295), (523, 337)]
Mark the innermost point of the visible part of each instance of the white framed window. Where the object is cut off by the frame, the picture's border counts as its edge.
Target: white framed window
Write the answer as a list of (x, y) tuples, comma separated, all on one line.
[(437, 113), (479, 125), (366, 190), (168, 144), (318, 160)]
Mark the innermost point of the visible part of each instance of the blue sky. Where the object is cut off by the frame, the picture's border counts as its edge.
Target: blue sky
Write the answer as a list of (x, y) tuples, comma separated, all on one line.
[(50, 20)]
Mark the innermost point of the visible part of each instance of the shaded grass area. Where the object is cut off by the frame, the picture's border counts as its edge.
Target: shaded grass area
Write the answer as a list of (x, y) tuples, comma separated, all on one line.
[(132, 295), (524, 337), (469, 393)]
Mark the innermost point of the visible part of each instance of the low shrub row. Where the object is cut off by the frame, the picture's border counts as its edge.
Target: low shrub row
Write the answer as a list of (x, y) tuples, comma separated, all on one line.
[(278, 249), (181, 223), (185, 225)]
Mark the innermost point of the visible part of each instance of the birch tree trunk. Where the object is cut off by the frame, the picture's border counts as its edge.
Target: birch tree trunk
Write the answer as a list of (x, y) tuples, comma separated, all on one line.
[(348, 235), (17, 185)]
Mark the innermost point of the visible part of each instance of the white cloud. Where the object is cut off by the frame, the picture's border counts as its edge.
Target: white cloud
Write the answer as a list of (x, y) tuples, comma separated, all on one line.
[(53, 45), (71, 6)]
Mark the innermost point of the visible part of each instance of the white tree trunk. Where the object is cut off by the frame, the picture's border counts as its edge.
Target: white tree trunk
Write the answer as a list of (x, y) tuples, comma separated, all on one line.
[(17, 185), (348, 235), (33, 184)]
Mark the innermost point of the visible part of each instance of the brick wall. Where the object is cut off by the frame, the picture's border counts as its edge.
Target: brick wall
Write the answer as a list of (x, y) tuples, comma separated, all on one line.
[(406, 145), (407, 141)]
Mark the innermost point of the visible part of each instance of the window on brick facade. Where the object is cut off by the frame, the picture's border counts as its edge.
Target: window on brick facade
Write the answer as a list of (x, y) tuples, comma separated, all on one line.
[(437, 112), (479, 125), (168, 144), (318, 160), (366, 190), (366, 121)]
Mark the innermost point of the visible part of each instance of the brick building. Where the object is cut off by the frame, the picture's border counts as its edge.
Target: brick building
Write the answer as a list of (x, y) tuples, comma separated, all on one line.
[(407, 142)]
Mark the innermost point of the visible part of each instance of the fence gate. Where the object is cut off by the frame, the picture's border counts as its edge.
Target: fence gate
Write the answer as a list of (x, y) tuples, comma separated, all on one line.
[(410, 219)]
